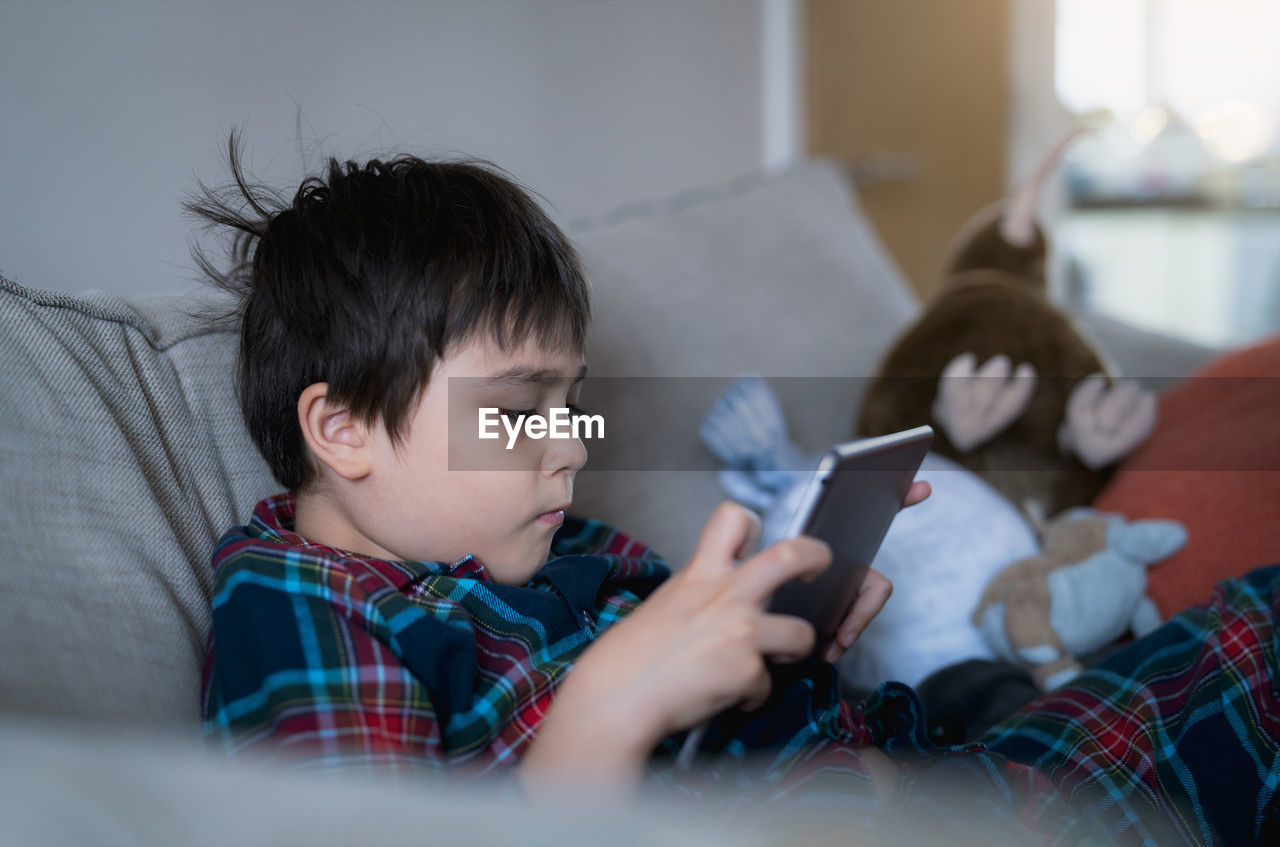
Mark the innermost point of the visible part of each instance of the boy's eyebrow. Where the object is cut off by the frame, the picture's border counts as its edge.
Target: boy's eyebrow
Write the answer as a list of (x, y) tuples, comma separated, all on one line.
[(540, 376)]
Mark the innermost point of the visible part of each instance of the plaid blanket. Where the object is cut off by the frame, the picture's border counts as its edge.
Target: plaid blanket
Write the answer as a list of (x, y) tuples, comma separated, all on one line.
[(1176, 738), (325, 658)]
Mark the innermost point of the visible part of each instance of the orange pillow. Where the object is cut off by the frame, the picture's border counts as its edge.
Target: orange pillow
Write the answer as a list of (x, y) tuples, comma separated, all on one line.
[(1212, 463)]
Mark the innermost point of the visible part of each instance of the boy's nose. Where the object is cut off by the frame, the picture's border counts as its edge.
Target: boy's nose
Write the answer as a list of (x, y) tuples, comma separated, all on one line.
[(563, 454)]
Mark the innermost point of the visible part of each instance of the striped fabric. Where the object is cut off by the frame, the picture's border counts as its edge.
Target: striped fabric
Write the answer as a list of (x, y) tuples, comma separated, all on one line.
[(799, 758), (324, 658), (327, 658), (1176, 738)]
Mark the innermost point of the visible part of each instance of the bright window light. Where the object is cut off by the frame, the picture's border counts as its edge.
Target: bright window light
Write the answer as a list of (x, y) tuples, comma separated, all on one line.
[(1100, 56), (1214, 64)]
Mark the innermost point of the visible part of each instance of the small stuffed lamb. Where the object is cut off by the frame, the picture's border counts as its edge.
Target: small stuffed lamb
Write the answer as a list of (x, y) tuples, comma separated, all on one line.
[(1082, 592)]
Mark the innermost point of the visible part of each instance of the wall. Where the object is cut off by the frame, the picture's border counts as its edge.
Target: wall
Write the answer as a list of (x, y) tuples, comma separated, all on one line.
[(920, 79), (110, 110)]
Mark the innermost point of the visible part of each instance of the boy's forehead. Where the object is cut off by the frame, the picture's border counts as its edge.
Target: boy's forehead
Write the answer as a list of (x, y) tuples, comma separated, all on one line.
[(528, 363), (539, 376)]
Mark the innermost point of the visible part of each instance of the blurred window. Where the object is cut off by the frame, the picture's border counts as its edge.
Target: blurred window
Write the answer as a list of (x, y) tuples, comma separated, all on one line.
[(1213, 63), (1174, 205)]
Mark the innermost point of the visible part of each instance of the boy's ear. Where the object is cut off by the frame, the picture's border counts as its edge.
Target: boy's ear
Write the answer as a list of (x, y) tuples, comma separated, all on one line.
[(333, 435)]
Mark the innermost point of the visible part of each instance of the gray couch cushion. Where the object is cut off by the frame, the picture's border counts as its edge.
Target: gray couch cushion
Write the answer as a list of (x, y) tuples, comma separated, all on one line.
[(780, 275), (1154, 359), (124, 459)]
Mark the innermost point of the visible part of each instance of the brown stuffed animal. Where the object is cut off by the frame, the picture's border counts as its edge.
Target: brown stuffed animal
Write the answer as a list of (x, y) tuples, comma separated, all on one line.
[(1020, 397), (1015, 391)]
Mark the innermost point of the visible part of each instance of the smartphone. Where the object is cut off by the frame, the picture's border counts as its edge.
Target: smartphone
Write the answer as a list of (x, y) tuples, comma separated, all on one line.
[(849, 502)]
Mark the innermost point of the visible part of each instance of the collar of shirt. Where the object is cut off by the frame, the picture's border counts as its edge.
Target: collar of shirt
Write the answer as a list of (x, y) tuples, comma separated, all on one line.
[(274, 519), (578, 578)]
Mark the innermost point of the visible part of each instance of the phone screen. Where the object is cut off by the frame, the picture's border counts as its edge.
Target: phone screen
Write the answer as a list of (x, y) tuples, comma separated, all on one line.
[(850, 502)]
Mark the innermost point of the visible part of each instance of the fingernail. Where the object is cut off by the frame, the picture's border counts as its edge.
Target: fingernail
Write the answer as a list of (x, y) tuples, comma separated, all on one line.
[(847, 639)]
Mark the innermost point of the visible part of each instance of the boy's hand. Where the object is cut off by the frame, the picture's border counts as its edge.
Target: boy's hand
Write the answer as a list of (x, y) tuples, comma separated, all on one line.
[(917, 493), (698, 645), (873, 594), (695, 647)]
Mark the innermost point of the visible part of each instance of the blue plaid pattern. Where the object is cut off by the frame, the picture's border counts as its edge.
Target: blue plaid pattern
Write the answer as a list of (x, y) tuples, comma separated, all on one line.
[(1175, 739), (328, 659)]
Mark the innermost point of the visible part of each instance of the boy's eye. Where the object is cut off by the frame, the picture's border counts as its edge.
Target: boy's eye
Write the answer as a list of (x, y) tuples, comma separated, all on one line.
[(513, 415)]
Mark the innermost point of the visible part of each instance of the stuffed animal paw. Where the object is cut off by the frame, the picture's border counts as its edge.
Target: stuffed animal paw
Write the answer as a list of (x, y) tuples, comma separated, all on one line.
[(1082, 592), (974, 404), (746, 429), (1104, 422)]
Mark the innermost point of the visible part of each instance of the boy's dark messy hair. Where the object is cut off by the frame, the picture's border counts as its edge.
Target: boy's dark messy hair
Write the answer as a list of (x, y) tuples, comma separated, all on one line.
[(368, 275)]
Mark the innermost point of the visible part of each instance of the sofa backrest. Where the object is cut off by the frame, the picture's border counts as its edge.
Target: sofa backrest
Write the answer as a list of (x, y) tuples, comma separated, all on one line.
[(124, 456), (124, 459)]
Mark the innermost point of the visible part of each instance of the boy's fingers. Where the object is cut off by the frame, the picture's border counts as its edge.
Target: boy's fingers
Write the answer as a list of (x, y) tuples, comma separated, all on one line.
[(871, 598), (785, 638), (730, 528), (791, 558), (749, 541), (757, 691), (917, 493)]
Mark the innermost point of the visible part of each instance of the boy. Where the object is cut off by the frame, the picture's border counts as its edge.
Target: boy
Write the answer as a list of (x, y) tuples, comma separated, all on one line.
[(394, 612)]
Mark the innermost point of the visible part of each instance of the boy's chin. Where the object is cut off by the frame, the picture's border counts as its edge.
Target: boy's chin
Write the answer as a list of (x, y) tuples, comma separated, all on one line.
[(518, 570)]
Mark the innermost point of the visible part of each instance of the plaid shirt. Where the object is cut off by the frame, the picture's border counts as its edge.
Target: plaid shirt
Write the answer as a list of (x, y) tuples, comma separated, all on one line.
[(326, 658), (322, 656)]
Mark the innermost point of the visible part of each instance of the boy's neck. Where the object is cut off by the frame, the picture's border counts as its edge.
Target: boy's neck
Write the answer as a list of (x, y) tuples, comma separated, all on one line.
[(321, 520)]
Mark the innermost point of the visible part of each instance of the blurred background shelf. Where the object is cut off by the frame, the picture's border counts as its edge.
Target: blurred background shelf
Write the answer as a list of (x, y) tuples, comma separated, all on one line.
[(1211, 275)]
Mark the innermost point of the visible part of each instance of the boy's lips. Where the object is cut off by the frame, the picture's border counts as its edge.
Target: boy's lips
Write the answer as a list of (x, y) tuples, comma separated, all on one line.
[(555, 517)]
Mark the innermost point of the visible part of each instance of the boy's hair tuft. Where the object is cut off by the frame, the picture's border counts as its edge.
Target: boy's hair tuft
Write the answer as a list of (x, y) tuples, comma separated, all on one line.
[(367, 277)]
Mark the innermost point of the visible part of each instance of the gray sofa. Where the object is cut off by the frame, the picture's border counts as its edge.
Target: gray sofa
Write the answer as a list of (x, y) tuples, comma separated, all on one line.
[(124, 458)]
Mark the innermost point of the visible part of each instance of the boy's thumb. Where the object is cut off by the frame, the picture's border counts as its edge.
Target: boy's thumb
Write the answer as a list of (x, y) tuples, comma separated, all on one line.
[(731, 533)]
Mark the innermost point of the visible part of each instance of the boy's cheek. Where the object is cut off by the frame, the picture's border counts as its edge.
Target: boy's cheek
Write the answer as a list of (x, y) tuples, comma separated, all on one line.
[(477, 443), (505, 453), (525, 454)]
